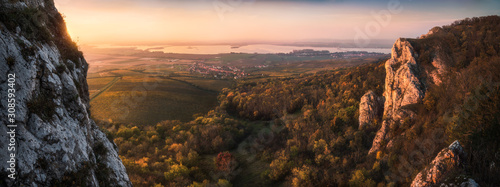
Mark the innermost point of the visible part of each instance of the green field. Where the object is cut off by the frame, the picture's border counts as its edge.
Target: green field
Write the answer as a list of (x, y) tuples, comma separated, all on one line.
[(206, 84), (147, 101), (97, 83)]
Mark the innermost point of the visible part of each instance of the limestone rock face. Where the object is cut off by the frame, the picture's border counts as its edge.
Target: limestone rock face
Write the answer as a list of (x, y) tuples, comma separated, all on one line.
[(403, 87), (440, 68), (370, 108), (432, 31), (449, 159), (402, 83), (56, 141)]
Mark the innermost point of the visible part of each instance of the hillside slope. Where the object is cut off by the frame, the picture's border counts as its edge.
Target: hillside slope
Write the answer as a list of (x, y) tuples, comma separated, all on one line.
[(440, 88), (426, 116), (56, 142)]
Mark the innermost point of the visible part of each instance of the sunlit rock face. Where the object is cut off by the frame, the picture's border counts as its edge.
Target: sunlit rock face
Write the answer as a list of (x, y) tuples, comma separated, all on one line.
[(56, 141), (448, 160), (403, 87), (406, 84)]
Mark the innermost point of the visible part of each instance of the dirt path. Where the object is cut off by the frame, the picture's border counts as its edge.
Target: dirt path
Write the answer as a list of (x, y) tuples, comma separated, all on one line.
[(105, 88)]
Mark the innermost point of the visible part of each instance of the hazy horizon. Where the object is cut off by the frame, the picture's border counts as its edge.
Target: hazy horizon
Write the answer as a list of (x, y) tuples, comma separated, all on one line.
[(277, 21)]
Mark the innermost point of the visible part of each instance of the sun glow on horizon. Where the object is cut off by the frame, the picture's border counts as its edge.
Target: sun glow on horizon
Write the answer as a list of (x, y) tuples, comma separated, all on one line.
[(153, 22)]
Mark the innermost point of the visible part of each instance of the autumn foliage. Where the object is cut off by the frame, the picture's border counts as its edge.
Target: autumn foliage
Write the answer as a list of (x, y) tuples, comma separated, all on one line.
[(321, 144), (224, 161)]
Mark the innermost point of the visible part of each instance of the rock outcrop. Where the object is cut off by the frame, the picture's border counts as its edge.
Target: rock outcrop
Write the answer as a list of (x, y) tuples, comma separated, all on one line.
[(439, 69), (56, 142), (370, 108), (448, 160), (403, 87)]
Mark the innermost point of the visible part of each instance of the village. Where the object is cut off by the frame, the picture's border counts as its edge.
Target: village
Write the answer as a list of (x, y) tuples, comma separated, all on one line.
[(217, 72), (232, 72)]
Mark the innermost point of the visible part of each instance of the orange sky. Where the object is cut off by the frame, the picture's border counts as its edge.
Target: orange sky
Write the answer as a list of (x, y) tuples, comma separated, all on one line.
[(146, 21)]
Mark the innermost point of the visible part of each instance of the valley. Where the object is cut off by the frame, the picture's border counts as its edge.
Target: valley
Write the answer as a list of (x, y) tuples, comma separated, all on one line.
[(143, 88), (301, 120), (253, 93)]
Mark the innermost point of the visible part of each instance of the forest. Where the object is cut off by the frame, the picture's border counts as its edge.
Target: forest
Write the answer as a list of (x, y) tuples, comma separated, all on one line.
[(304, 130)]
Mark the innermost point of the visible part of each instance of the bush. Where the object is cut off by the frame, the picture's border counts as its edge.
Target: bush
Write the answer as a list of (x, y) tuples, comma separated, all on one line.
[(29, 20), (60, 68), (27, 52), (10, 61), (176, 171), (303, 176), (359, 178), (102, 171), (80, 177), (223, 183), (279, 167), (35, 24), (224, 161), (43, 105), (100, 150)]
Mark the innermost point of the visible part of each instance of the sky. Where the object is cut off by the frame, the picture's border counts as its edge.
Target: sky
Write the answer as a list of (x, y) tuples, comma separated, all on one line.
[(132, 22)]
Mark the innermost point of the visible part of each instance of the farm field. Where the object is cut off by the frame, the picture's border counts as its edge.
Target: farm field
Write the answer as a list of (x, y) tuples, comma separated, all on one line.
[(141, 99), (128, 101), (135, 87), (98, 83)]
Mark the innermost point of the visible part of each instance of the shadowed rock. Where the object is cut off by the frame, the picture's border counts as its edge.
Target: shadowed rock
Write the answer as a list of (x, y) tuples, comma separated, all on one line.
[(370, 108), (57, 144)]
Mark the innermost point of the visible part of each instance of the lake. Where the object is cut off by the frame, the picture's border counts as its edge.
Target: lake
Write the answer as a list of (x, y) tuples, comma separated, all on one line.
[(254, 48)]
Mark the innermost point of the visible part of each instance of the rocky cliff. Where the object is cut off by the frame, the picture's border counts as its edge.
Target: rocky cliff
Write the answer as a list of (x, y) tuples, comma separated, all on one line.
[(450, 159), (429, 84), (403, 87), (55, 142)]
